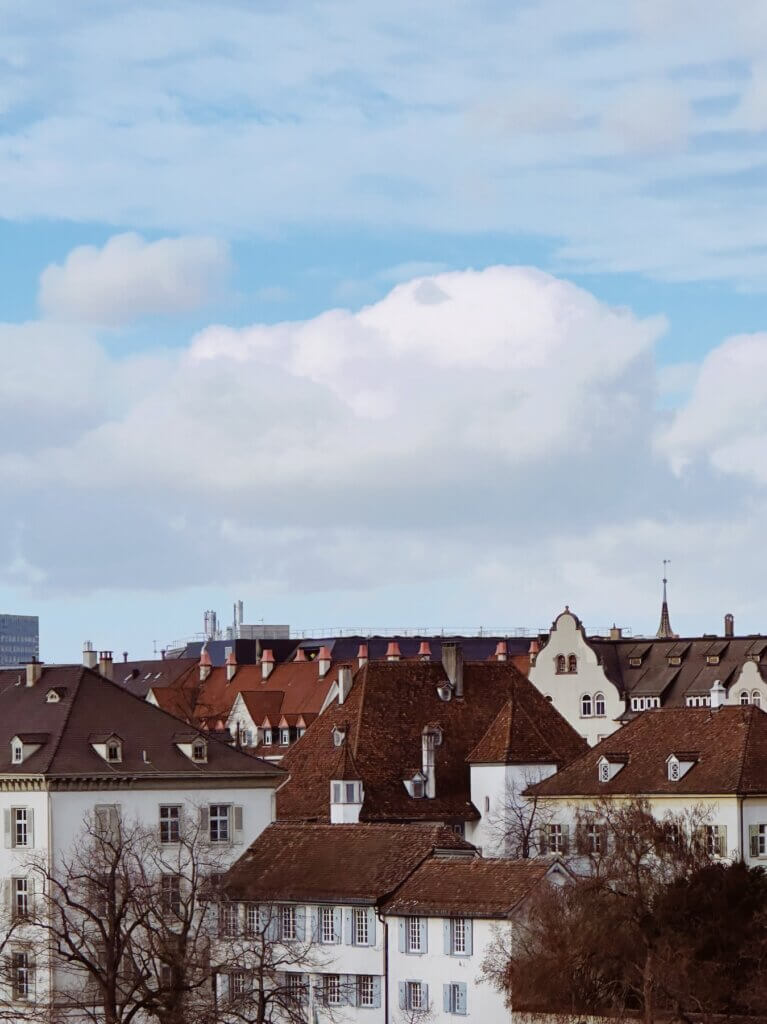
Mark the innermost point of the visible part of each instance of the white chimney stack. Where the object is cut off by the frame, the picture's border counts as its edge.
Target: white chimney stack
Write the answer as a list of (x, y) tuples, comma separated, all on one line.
[(90, 658), (392, 651), (231, 666), (34, 671), (344, 682), (501, 651), (718, 696), (428, 764), (323, 662), (362, 655), (267, 664), (206, 665), (106, 665), (452, 662)]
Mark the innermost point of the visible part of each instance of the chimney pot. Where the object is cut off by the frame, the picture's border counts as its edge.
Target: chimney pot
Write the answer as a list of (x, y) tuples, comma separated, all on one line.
[(424, 651), (392, 651), (267, 664), (125, 656), (106, 666), (90, 658), (615, 632), (362, 655), (231, 666), (206, 665), (501, 651), (300, 655), (323, 661), (729, 624)]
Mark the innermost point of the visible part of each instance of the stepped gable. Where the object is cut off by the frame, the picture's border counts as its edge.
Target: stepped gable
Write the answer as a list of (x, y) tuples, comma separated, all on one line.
[(528, 730), (389, 706), (452, 887), (89, 709), (728, 748), (335, 863)]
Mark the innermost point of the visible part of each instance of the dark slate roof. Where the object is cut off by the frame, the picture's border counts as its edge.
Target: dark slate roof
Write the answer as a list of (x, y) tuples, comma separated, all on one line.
[(139, 677), (730, 747), (463, 887), (389, 705), (335, 863), (95, 707)]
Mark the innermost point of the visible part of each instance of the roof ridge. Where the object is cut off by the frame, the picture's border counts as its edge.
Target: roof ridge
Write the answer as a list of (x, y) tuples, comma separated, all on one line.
[(750, 721), (67, 716), (361, 700)]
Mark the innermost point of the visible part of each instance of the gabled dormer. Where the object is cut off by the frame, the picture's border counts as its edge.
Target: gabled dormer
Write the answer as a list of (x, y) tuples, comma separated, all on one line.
[(609, 765), (23, 745), (193, 746), (55, 695), (678, 765), (108, 746), (415, 784), (346, 790)]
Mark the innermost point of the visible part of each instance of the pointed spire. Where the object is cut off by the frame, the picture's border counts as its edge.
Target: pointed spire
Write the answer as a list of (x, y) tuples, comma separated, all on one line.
[(665, 632)]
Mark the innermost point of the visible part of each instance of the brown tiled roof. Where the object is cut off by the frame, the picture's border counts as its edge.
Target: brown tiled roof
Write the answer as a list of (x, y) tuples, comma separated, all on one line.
[(334, 863), (139, 677), (93, 706), (731, 746), (453, 887), (528, 730), (387, 709)]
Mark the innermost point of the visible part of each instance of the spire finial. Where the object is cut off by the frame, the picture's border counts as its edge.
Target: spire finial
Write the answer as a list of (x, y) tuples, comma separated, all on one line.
[(665, 632)]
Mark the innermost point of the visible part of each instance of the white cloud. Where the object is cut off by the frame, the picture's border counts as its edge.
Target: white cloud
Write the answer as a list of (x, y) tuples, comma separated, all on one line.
[(129, 278)]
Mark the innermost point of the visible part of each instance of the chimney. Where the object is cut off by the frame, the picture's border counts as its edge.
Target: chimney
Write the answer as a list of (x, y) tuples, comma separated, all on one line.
[(533, 650), (452, 662), (323, 661), (125, 656), (344, 682), (300, 655), (34, 671), (392, 651), (106, 667), (428, 745), (231, 666), (362, 655), (424, 651), (615, 632), (267, 664), (729, 624), (206, 665), (501, 651), (90, 659), (718, 695)]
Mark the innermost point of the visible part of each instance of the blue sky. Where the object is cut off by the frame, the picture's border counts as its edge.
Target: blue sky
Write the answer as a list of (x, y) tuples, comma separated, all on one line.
[(255, 345)]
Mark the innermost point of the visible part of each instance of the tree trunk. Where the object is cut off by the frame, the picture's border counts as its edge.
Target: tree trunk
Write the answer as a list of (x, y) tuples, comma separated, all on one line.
[(648, 988)]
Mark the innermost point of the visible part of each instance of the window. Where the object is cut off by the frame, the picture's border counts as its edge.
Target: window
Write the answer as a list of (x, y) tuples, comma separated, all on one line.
[(414, 935), (339, 735), (572, 663), (251, 919), (744, 698), (166, 976), (715, 840), (417, 785), (327, 924), (365, 990), (455, 998), (20, 891), (107, 819), (594, 838), (267, 737), (284, 737), (227, 919), (599, 705), (560, 665), (237, 984), (288, 923), (296, 986), (360, 934), (170, 822), (458, 935), (555, 838), (170, 893), (758, 837), (17, 755), (332, 989), (674, 770), (21, 975), (414, 996), (21, 822), (756, 699), (586, 706), (199, 750), (604, 771), (114, 751), (218, 823)]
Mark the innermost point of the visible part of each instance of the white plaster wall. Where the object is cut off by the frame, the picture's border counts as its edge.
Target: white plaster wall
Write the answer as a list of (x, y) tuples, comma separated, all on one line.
[(494, 786), (436, 968), (754, 813), (566, 689), (750, 680)]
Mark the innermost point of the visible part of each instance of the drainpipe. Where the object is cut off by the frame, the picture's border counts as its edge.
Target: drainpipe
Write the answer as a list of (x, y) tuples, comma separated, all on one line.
[(743, 851), (385, 929)]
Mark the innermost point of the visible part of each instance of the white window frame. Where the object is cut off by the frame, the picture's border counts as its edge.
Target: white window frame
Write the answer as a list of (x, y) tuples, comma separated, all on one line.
[(288, 931), (327, 926), (331, 989), (455, 998), (20, 827), (458, 936), (600, 705), (170, 887), (414, 996), (170, 824), (238, 984), (284, 737), (745, 697), (366, 992), (587, 706), (17, 753), (114, 751), (413, 935), (555, 838), (199, 751), (22, 973), (361, 932), (594, 837), (229, 919), (223, 814), (20, 896)]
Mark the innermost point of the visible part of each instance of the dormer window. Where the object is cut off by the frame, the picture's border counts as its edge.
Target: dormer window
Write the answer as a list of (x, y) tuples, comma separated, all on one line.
[(199, 751), (284, 737), (604, 771), (267, 737), (54, 695), (609, 765), (560, 664), (674, 770), (712, 659), (114, 751), (678, 765), (416, 786), (676, 660), (17, 753), (339, 735), (635, 662)]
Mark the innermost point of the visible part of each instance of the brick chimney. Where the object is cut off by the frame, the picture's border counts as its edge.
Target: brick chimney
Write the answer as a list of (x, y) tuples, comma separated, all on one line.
[(323, 661), (615, 632), (90, 658), (362, 655), (452, 662), (424, 651), (231, 666), (267, 664), (106, 665), (393, 652), (206, 665), (501, 651), (533, 650), (34, 671), (300, 655), (729, 624)]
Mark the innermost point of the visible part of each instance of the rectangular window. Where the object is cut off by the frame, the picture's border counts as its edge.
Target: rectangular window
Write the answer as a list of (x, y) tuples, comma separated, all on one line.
[(351, 792), (107, 820), (228, 919), (170, 823), (284, 737), (761, 841), (458, 935), (251, 919), (170, 890), (360, 937), (18, 753), (414, 935), (594, 839), (237, 984), (218, 823), (365, 990), (336, 792), (456, 998), (414, 996), (166, 976), (556, 839), (288, 923), (332, 989), (327, 929), (21, 971), (296, 987), (20, 888), (713, 837), (20, 826)]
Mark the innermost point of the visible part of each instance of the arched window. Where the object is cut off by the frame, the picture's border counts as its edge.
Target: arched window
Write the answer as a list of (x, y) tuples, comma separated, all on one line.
[(560, 664), (572, 663), (599, 705), (586, 705), (756, 699), (744, 698)]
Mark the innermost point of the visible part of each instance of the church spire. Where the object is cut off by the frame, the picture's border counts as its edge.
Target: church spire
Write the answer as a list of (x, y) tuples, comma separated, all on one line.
[(665, 632)]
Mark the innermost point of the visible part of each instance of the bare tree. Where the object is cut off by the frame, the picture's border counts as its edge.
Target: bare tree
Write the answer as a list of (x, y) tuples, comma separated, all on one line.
[(20, 1000), (516, 826)]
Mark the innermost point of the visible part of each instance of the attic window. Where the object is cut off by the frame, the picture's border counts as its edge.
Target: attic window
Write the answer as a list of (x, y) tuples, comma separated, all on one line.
[(674, 770), (114, 751), (199, 751), (604, 772), (676, 660), (417, 785), (339, 735), (712, 659), (635, 662), (52, 697), (17, 753)]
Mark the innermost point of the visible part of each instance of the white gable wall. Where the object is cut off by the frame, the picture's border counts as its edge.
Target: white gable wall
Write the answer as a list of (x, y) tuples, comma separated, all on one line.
[(494, 787)]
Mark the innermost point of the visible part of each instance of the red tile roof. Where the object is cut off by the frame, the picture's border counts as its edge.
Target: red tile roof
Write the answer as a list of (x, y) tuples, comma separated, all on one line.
[(730, 744), (463, 887), (334, 863)]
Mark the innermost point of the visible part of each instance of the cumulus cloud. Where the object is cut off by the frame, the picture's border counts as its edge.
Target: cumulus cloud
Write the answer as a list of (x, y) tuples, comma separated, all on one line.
[(129, 278)]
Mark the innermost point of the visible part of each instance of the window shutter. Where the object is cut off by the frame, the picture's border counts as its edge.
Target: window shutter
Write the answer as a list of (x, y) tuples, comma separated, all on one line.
[(753, 840), (30, 827), (273, 914), (425, 996), (7, 828), (376, 993), (371, 926), (722, 840), (8, 895), (543, 840), (205, 823), (565, 838), (351, 989), (461, 1001), (468, 925), (238, 836), (31, 895), (581, 845), (401, 935), (314, 921), (424, 929), (337, 924), (446, 998), (402, 996), (349, 936), (301, 923), (447, 946)]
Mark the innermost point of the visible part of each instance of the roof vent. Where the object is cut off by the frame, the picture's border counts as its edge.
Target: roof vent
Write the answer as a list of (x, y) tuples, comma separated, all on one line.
[(718, 695)]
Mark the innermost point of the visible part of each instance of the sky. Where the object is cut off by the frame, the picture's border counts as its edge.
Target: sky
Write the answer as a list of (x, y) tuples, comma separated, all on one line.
[(437, 315)]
